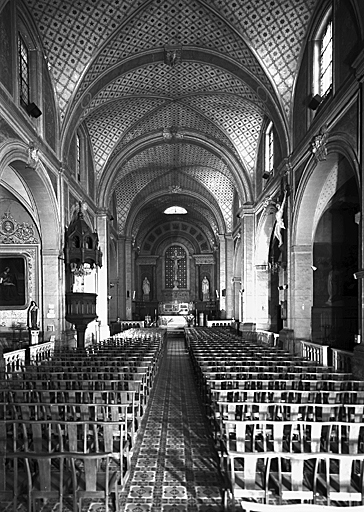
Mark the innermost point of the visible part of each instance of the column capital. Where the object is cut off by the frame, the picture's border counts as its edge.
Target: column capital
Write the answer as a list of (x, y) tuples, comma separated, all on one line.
[(103, 212), (245, 210)]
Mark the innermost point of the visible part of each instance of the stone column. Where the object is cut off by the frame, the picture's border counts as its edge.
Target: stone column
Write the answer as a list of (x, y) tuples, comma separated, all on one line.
[(229, 276), (222, 273), (102, 276), (237, 298), (358, 359), (248, 240), (121, 278), (129, 278), (301, 291), (262, 296), (53, 291)]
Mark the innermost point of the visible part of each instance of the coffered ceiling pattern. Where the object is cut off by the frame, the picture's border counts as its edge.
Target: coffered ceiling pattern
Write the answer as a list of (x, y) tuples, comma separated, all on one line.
[(199, 121)]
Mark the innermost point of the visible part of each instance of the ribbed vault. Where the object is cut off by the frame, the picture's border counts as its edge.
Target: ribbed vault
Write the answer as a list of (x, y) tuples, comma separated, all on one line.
[(188, 130)]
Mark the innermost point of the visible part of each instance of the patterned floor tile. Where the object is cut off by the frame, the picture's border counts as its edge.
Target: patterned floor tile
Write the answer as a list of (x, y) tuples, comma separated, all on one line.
[(174, 466)]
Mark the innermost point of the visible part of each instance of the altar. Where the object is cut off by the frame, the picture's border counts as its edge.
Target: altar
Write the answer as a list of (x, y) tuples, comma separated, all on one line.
[(171, 322), (173, 315)]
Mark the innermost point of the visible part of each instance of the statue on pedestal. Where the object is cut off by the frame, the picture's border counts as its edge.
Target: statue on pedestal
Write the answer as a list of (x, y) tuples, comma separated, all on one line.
[(33, 312), (146, 288), (205, 289)]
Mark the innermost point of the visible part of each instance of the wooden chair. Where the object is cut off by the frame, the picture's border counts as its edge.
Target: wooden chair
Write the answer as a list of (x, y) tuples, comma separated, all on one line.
[(340, 477), (94, 478), (48, 478)]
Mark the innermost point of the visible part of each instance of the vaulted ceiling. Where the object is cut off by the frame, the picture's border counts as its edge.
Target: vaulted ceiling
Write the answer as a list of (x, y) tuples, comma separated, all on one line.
[(174, 96)]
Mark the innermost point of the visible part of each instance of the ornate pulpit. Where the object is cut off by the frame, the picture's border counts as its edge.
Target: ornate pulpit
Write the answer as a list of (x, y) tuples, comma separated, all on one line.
[(82, 255)]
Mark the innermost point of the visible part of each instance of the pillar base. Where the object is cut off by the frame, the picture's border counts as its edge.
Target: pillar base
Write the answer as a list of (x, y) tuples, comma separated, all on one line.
[(287, 341), (34, 336), (357, 362), (104, 332)]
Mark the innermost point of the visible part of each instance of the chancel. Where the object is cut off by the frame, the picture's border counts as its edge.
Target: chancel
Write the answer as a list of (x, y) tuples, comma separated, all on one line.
[(181, 255)]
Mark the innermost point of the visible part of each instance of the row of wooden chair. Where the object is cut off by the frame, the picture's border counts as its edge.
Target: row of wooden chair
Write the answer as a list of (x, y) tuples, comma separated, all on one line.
[(71, 432), (287, 430)]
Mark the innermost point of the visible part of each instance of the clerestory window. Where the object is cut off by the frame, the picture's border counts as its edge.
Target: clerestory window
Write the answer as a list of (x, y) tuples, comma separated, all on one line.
[(323, 58)]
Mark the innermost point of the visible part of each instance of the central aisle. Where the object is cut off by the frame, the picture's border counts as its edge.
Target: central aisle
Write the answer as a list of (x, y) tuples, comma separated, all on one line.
[(174, 465)]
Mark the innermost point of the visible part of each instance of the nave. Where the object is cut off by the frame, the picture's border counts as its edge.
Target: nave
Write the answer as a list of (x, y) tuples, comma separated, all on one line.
[(175, 466), (287, 431)]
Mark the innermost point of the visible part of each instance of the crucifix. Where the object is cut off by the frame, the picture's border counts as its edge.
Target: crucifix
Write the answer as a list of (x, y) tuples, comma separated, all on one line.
[(175, 258)]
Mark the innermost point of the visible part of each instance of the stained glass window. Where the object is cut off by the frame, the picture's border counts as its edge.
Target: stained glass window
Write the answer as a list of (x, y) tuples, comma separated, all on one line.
[(175, 267)]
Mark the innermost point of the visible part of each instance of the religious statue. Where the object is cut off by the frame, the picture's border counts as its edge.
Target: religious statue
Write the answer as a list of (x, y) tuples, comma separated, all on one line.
[(175, 258), (146, 286), (279, 220), (33, 311), (205, 289)]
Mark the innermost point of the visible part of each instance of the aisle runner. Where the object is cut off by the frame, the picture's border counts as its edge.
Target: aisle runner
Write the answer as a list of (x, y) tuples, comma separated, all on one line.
[(174, 466)]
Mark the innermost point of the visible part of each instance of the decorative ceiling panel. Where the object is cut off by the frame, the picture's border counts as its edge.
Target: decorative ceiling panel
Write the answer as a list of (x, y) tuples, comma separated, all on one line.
[(72, 33), (238, 103), (276, 29), (185, 79), (167, 156), (240, 120), (107, 125), (220, 187), (166, 23), (175, 115)]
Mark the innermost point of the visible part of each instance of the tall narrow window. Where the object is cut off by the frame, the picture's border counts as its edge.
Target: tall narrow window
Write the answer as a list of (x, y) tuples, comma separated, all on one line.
[(78, 158), (323, 58), (326, 60), (269, 149), (23, 72)]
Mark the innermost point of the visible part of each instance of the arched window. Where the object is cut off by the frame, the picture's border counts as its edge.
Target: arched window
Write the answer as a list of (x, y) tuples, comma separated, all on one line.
[(323, 58)]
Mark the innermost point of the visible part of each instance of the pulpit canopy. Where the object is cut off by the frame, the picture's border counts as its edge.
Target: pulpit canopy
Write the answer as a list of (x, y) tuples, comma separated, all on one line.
[(81, 245)]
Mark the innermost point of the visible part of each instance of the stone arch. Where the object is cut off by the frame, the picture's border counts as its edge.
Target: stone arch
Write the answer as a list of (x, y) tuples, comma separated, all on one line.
[(319, 185), (34, 175)]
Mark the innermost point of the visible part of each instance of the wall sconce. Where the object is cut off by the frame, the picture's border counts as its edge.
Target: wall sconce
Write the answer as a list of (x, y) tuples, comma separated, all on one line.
[(359, 274), (313, 267), (314, 102), (33, 110)]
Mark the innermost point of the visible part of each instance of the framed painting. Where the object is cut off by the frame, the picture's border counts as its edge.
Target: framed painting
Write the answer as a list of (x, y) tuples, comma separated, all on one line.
[(13, 281)]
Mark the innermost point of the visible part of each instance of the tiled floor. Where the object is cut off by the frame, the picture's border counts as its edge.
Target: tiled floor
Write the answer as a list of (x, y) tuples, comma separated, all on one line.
[(174, 465)]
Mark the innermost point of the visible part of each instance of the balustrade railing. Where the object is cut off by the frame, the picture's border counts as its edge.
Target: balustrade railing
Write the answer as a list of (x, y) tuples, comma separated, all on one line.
[(315, 352), (41, 352), (218, 323), (342, 360), (14, 361)]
